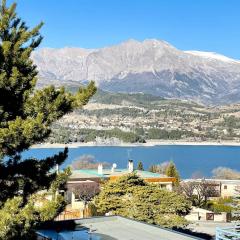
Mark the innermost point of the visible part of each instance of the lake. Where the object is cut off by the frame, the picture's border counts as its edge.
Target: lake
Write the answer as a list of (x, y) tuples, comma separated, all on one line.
[(188, 159)]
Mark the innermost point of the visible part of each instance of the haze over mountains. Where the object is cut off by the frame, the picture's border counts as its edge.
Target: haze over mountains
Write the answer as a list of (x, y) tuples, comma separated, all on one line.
[(151, 66)]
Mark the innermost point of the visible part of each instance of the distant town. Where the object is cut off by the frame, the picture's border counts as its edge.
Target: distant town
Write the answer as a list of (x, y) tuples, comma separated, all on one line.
[(113, 118)]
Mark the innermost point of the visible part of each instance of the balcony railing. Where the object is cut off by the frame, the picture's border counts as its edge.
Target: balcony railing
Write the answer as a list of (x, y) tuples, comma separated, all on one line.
[(232, 233)]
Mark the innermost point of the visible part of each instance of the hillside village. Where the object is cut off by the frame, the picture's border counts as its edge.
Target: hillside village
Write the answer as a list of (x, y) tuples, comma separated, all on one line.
[(140, 117)]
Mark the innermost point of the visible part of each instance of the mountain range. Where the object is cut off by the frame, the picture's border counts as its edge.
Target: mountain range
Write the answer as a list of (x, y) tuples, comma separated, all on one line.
[(151, 66)]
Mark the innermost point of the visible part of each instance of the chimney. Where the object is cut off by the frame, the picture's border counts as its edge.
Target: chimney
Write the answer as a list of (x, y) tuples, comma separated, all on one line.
[(100, 169), (130, 166), (57, 169), (113, 167)]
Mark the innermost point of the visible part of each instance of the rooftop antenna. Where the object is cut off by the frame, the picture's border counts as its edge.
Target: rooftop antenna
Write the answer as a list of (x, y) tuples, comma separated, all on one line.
[(57, 168), (100, 168), (130, 166), (128, 153)]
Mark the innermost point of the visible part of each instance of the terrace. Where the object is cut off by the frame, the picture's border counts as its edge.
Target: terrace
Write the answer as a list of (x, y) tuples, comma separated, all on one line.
[(110, 228)]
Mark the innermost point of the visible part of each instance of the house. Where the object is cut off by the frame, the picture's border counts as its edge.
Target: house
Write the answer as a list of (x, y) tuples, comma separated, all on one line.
[(200, 214), (225, 188), (101, 174), (89, 177)]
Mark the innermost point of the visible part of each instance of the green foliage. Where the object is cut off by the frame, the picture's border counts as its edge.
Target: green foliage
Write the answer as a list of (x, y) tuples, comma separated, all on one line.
[(190, 120), (140, 166), (60, 182), (26, 116), (18, 219), (132, 197), (156, 133), (222, 205), (138, 99), (225, 200), (219, 208), (63, 135), (172, 171)]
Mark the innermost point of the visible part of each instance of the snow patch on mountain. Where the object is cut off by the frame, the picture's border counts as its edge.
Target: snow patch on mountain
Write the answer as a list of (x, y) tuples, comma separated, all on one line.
[(212, 55)]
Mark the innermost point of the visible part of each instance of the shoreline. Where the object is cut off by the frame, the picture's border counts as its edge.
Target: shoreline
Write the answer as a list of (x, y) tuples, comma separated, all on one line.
[(150, 143)]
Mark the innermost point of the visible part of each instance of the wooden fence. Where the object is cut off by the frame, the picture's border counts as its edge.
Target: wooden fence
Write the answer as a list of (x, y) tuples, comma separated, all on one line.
[(73, 214)]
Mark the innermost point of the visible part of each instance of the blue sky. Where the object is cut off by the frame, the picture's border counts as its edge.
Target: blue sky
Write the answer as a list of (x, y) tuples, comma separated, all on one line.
[(207, 25)]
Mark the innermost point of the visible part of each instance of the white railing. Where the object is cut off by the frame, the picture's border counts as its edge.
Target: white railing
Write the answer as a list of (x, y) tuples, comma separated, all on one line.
[(232, 233)]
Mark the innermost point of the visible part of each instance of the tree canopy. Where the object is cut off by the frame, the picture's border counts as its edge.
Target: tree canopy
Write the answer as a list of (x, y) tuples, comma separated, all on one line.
[(140, 166), (26, 116), (132, 197), (171, 171)]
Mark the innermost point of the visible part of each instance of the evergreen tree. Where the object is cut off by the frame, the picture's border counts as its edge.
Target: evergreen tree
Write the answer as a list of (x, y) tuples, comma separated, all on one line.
[(140, 166), (171, 171), (26, 116), (132, 197)]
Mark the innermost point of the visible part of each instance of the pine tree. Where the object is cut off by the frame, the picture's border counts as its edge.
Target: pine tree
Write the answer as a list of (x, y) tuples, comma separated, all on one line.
[(132, 197), (140, 166), (26, 116), (171, 171)]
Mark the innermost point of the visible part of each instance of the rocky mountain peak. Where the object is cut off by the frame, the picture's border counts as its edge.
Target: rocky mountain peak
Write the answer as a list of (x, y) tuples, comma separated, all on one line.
[(151, 66)]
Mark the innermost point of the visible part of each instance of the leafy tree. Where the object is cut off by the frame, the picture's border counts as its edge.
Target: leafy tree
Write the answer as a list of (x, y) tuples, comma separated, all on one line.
[(132, 197), (140, 166), (26, 116), (219, 208), (17, 218), (171, 171)]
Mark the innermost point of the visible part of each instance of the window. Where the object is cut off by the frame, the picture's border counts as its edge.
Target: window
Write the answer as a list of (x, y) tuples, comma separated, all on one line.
[(225, 186)]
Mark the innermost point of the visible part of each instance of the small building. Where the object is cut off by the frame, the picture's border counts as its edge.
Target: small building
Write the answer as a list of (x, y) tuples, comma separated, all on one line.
[(200, 214), (96, 176), (100, 174), (229, 188)]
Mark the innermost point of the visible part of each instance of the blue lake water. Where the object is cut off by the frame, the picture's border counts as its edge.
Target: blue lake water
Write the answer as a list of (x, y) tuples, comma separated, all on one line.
[(188, 159)]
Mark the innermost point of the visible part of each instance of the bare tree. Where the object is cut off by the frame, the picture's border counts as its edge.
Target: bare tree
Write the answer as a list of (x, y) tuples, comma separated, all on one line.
[(85, 191), (197, 175), (199, 192), (159, 168), (87, 162), (225, 173), (187, 188), (205, 190)]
